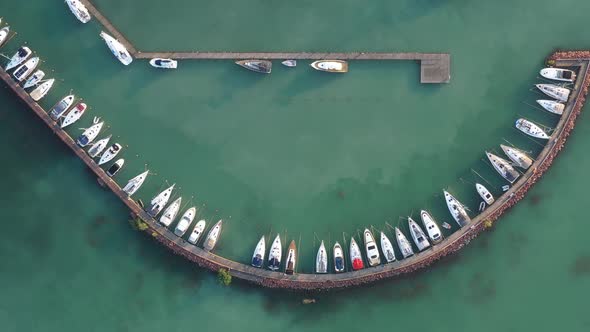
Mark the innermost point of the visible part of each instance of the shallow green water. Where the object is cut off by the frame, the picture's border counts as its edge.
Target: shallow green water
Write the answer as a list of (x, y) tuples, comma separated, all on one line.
[(296, 152)]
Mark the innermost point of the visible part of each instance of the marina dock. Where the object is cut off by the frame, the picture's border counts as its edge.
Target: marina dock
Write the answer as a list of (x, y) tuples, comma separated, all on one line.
[(267, 278)]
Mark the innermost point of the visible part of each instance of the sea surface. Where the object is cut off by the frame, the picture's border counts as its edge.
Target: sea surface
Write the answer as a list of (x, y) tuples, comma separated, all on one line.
[(305, 154)]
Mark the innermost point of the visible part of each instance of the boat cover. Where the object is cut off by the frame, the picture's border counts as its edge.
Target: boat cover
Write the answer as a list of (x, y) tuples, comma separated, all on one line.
[(339, 262), (257, 261), (357, 264)]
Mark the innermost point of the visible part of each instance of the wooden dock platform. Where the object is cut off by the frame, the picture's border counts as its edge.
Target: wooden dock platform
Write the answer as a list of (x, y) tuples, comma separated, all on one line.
[(328, 281)]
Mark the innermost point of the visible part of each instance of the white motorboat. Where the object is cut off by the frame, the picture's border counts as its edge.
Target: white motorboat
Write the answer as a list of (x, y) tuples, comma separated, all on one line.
[(170, 213), (21, 55), (531, 129), (503, 167), (387, 248), (418, 235), (185, 221), (61, 107), (371, 248), (339, 262), (90, 134), (404, 245), (197, 231), (159, 201), (484, 193), (110, 154), (551, 106), (42, 90), (135, 183), (99, 146), (118, 50), (554, 91), (331, 66), (456, 209), (289, 63), (213, 236), (518, 157), (34, 79), (275, 254), (558, 74), (115, 167), (4, 35), (321, 260), (79, 10), (24, 70), (74, 114), (431, 226), (291, 258), (164, 63), (258, 255), (356, 258)]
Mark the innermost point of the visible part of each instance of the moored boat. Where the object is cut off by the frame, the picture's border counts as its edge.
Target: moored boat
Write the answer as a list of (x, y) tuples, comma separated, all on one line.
[(484, 193), (185, 221), (331, 66), (98, 146), (387, 248), (339, 262), (42, 90), (115, 167), (371, 248), (531, 129), (118, 50), (418, 235), (79, 10), (554, 91), (431, 226), (558, 74), (24, 70), (259, 66), (258, 255), (551, 106), (21, 55), (289, 63), (197, 232), (74, 114), (90, 134), (275, 254), (164, 63), (503, 167), (135, 183), (213, 236), (456, 209), (356, 258), (404, 245), (321, 260), (518, 157), (291, 258), (61, 107), (159, 201), (109, 154), (170, 213), (34, 79), (4, 35)]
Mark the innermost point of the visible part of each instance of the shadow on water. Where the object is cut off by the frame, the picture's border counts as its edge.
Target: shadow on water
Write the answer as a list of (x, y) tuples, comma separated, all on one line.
[(581, 266), (481, 289)]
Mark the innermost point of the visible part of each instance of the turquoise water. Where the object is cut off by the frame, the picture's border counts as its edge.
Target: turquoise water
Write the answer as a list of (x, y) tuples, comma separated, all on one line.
[(309, 155)]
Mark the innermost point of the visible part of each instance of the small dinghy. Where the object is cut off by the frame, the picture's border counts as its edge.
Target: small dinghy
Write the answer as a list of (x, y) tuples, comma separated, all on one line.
[(197, 231), (213, 236), (330, 66), (185, 221), (418, 235), (4, 35), (61, 107), (90, 134), (110, 154), (99, 146), (371, 248), (275, 254), (518, 157), (531, 129), (21, 55), (79, 10), (446, 225), (74, 114), (387, 248), (321, 260), (456, 209), (289, 63), (339, 263), (135, 183), (404, 245), (258, 255), (484, 193), (431, 226), (115, 167), (356, 257), (558, 74), (24, 70), (259, 66), (118, 50), (291, 258), (551, 106), (170, 213), (503, 167), (42, 90), (554, 91), (34, 79), (159, 201), (164, 63)]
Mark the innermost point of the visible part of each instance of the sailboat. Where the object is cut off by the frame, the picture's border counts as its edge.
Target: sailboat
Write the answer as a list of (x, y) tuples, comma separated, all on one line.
[(258, 255), (431, 226), (34, 79), (355, 255), (456, 209), (185, 221), (97, 147), (531, 129), (275, 254), (552, 106), (371, 248), (518, 157), (21, 55), (554, 91), (404, 245), (90, 134), (321, 260), (74, 114), (61, 107), (135, 183), (197, 232), (170, 213), (109, 154), (159, 201), (484, 193), (213, 236), (118, 50), (339, 263), (259, 66), (387, 248), (291, 258), (503, 167), (42, 90), (418, 235)]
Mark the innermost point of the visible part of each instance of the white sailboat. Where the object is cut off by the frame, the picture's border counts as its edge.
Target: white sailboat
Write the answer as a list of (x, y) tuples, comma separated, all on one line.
[(371, 248), (404, 245), (135, 183), (118, 50), (275, 254), (21, 55), (339, 262), (74, 114), (90, 134), (554, 91), (387, 248), (321, 260), (431, 226), (99, 146), (61, 107), (531, 129), (4, 35), (418, 235), (503, 167), (552, 106), (484, 193), (356, 258), (109, 154), (24, 70), (259, 251), (213, 236), (34, 79), (518, 157), (159, 201), (456, 209), (197, 231), (170, 213), (79, 10), (558, 74), (42, 90), (185, 221)]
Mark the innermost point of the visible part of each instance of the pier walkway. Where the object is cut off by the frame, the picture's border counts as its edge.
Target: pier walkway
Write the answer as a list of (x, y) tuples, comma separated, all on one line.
[(327, 281)]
